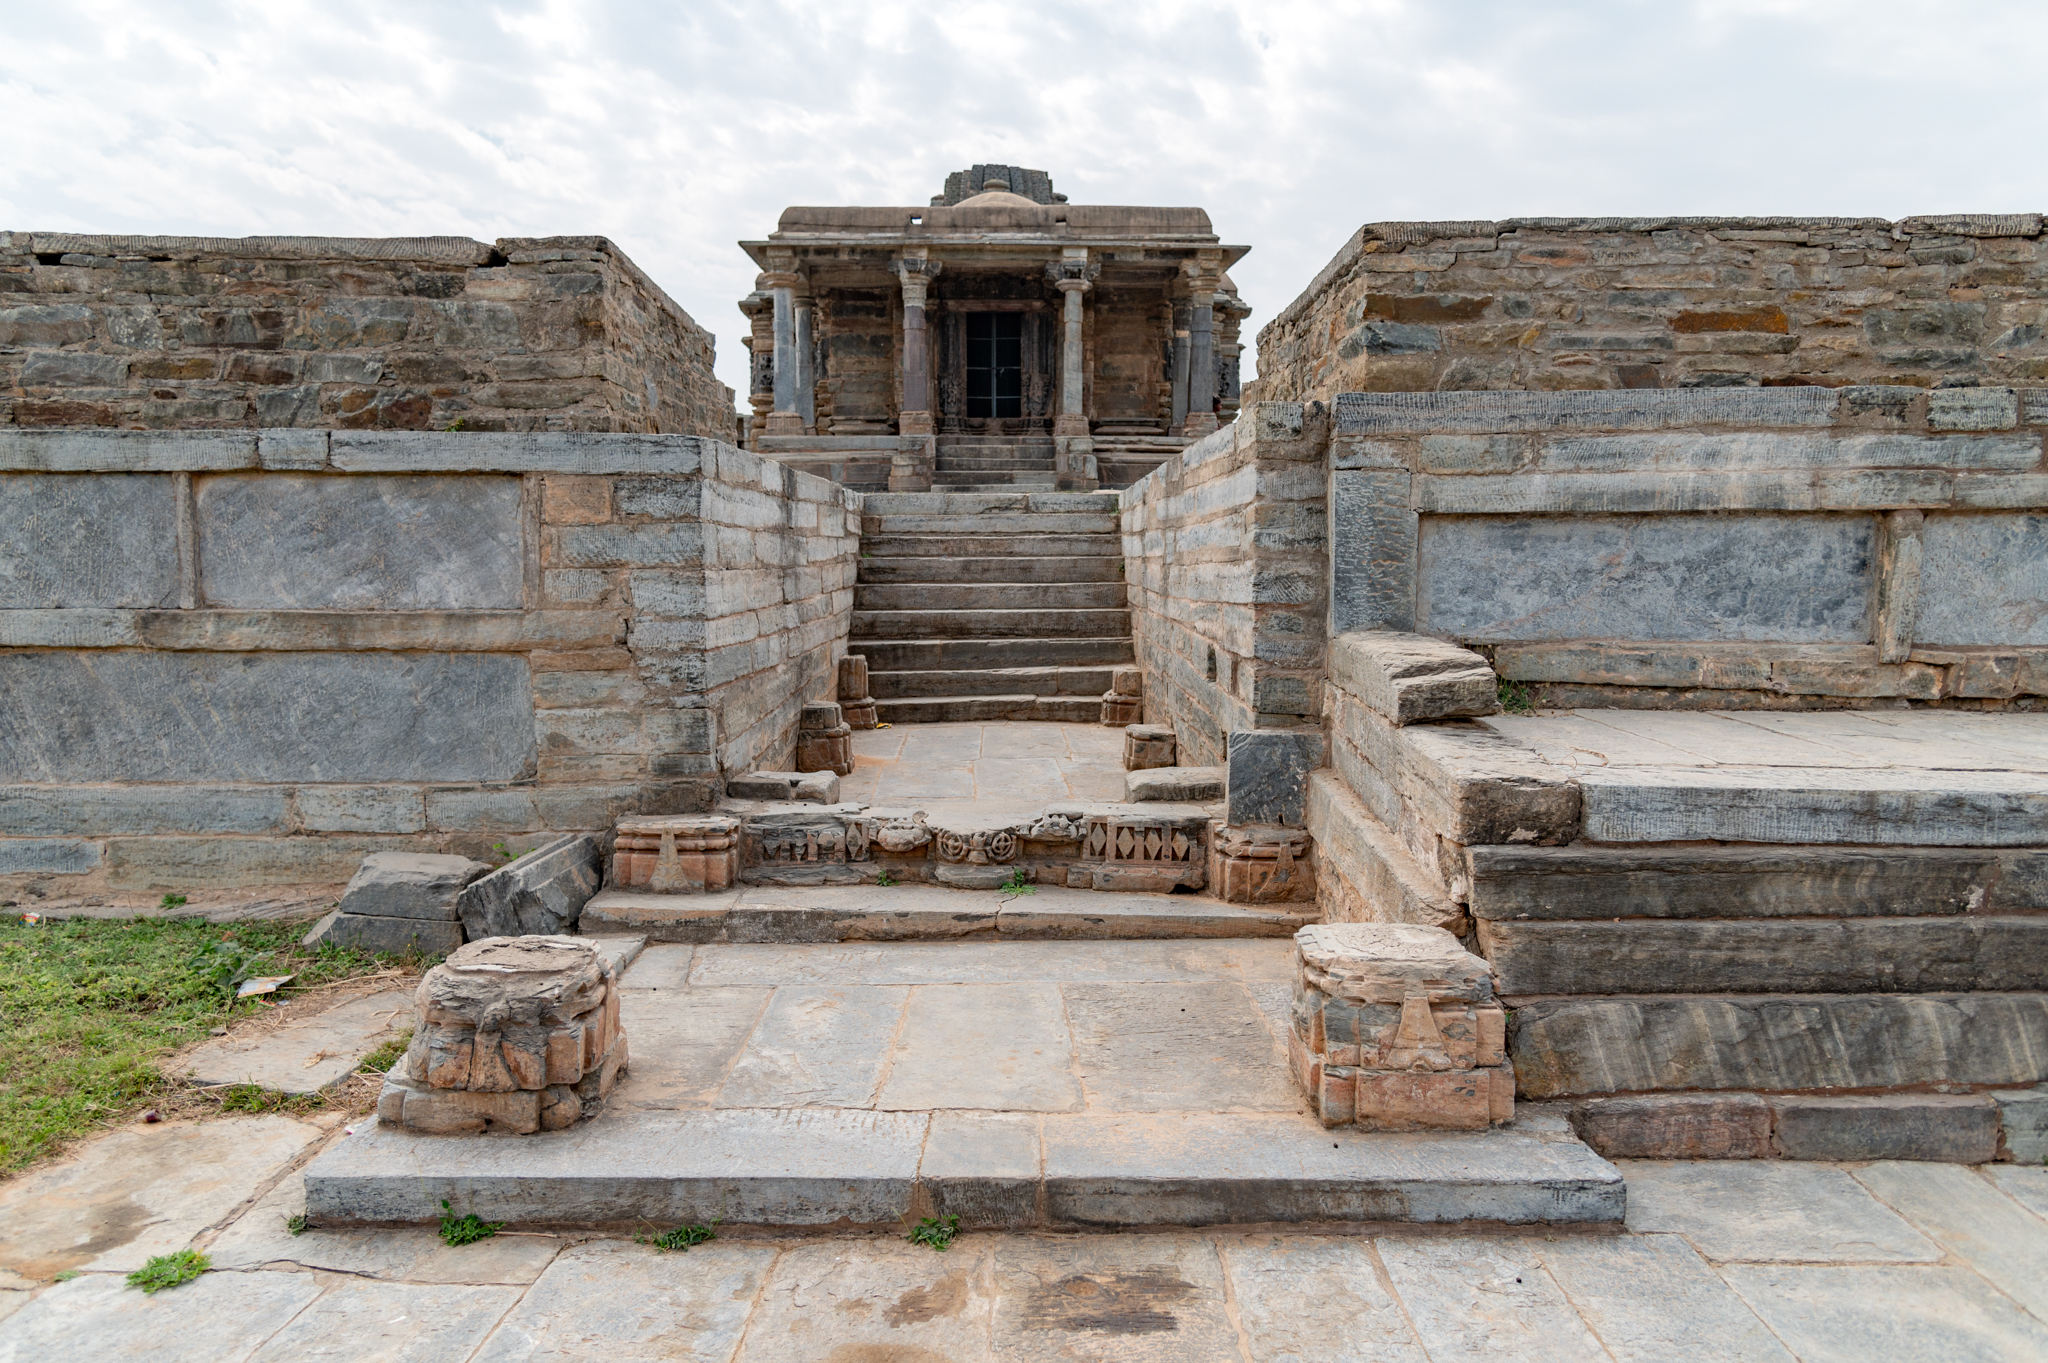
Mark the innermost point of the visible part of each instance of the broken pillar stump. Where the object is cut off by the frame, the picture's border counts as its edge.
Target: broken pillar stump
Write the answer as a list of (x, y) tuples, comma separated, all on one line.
[(1395, 1027), (1251, 864), (517, 1034), (677, 854), (824, 741), (854, 701), (1124, 702), (1147, 746)]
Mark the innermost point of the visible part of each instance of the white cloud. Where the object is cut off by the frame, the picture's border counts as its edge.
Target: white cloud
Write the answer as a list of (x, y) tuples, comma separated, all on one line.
[(677, 129)]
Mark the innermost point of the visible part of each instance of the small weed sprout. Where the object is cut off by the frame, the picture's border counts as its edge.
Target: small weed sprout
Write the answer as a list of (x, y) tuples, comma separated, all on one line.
[(1017, 884), (297, 1225), (459, 424), (885, 879), (1515, 698), (935, 1232), (681, 1238), (386, 1055), (507, 853), (172, 901), (466, 1230), (169, 1270), (68, 1274)]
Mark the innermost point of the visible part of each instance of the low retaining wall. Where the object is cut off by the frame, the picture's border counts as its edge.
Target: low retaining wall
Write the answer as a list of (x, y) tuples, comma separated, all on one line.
[(237, 658)]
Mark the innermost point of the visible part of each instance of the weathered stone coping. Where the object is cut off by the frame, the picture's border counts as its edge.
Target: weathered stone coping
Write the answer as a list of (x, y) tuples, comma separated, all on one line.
[(293, 450)]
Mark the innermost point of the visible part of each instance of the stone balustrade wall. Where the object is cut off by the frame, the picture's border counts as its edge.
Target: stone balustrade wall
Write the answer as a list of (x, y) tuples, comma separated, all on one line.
[(1578, 303), (1225, 552), (250, 657), (180, 333)]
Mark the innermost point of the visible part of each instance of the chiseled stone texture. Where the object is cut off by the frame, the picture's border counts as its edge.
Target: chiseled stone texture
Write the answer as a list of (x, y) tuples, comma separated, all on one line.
[(295, 541), (529, 334), (1983, 579), (70, 540), (543, 891), (84, 716), (1629, 303), (1266, 774), (1413, 678)]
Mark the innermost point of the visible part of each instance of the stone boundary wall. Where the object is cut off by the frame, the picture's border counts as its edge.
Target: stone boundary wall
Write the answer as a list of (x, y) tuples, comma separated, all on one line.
[(1576, 303), (529, 334), (1225, 552), (244, 658), (1715, 549)]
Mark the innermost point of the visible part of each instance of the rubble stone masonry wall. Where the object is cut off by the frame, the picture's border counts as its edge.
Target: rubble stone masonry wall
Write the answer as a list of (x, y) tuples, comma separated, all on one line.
[(180, 333), (251, 657), (1575, 303), (1226, 555)]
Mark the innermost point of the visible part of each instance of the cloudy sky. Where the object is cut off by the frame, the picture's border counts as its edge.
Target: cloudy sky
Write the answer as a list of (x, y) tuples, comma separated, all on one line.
[(677, 128)]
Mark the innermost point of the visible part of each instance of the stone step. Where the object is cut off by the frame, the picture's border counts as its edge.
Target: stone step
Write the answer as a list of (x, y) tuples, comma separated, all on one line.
[(990, 624), (1826, 805), (1768, 956), (989, 523), (972, 709), (1086, 682), (1949, 1128), (983, 480), (1783, 1042), (909, 913), (985, 546), (979, 486), (1064, 568), (947, 655), (974, 504), (979, 461), (980, 596), (852, 1168), (1549, 883)]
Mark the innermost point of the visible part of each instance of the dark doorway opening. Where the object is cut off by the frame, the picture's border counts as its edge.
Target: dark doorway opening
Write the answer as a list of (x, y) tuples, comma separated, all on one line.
[(995, 364)]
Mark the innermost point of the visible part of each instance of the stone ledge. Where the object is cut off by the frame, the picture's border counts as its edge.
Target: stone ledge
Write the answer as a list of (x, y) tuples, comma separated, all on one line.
[(1949, 1128), (1411, 678), (1846, 670)]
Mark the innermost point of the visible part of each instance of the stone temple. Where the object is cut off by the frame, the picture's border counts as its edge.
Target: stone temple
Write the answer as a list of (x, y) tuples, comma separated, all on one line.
[(1583, 699), (999, 337)]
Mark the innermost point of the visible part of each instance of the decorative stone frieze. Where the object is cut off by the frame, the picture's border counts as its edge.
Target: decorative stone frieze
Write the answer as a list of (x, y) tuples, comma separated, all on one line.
[(679, 854), (1254, 864), (854, 701), (1149, 745), (824, 741), (1142, 853), (1395, 1027), (1124, 702), (517, 1034)]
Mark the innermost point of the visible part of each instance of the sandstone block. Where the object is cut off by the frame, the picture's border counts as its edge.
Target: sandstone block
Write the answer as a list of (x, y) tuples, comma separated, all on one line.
[(1182, 784), (1677, 1126), (1127, 681), (1253, 865), (829, 750), (410, 885), (1266, 774), (1956, 1129), (1119, 710), (541, 892), (1147, 746), (681, 854), (1409, 678), (1385, 963)]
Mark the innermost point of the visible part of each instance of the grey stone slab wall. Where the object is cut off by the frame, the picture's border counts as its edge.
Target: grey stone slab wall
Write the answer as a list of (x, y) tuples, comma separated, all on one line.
[(424, 333), (420, 641), (1984, 580), (1225, 553), (1624, 304)]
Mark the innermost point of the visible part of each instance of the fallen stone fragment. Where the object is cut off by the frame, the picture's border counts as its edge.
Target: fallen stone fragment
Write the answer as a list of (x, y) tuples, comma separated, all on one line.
[(1186, 784), (541, 892), (1147, 746), (1411, 678)]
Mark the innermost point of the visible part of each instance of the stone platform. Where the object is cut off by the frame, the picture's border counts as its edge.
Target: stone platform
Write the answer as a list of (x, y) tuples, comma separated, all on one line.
[(1015, 1084)]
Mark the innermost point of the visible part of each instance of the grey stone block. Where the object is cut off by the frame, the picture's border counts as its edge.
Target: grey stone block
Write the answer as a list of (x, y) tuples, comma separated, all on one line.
[(344, 717), (1373, 536), (302, 541), (542, 892), (2023, 1118), (1876, 806), (125, 451), (1609, 410), (392, 936), (517, 452), (1677, 1126), (410, 885), (1983, 578), (362, 809), (1194, 784), (810, 787), (1409, 678), (1972, 409), (1953, 1129), (1267, 774), (70, 539), (1792, 578), (88, 628), (52, 856), (143, 809), (654, 546), (288, 447)]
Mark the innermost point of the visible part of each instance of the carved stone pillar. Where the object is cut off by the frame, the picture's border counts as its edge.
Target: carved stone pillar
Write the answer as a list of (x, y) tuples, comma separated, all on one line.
[(782, 285), (759, 307), (1230, 314), (1205, 276), (1073, 451), (917, 273), (806, 362), (1182, 320)]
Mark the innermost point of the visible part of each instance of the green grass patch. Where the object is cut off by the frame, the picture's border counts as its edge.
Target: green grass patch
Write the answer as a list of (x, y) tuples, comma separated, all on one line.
[(466, 1230), (1515, 697), (384, 1057), (681, 1238), (169, 1270), (935, 1232), (89, 1006)]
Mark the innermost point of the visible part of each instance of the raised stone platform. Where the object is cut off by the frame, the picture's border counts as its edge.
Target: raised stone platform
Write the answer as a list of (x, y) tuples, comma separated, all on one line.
[(1014, 1084)]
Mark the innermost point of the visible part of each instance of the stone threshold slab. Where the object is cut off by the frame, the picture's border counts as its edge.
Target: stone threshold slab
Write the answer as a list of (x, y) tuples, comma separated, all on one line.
[(897, 913), (846, 1169)]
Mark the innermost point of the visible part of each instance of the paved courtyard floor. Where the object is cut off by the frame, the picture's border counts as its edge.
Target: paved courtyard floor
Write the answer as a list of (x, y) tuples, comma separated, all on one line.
[(1022, 763), (1721, 1261)]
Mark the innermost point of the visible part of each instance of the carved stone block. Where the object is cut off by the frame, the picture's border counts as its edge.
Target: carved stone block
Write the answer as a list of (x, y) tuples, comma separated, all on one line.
[(1260, 865), (829, 750), (1396, 1028), (1133, 853), (854, 700), (822, 846), (678, 854), (1149, 745), (1121, 710), (516, 1034)]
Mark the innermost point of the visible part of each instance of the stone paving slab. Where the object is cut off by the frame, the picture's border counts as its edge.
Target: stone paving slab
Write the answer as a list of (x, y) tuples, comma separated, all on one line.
[(261, 1238), (1861, 1313), (1764, 1211), (623, 1303), (304, 1054), (1971, 1219), (994, 962), (357, 1321), (221, 1318), (1478, 1299)]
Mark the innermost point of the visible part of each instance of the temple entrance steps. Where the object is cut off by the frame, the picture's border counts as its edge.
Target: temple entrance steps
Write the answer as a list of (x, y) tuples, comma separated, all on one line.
[(1121, 460), (993, 463), (990, 606)]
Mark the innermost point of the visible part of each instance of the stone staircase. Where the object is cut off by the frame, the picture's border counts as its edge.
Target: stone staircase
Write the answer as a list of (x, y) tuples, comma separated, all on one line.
[(993, 463), (1121, 460), (990, 605)]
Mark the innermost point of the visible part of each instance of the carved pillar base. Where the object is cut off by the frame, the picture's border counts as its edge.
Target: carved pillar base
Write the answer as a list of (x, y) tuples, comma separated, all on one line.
[(854, 701), (1253, 864), (1124, 702), (1064, 424), (785, 423), (916, 423), (910, 468), (824, 742), (1147, 746), (676, 854), (1200, 424), (1073, 462)]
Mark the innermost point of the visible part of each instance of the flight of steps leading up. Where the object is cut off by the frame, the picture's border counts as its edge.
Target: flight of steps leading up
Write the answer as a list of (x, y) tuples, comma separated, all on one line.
[(993, 463), (986, 606)]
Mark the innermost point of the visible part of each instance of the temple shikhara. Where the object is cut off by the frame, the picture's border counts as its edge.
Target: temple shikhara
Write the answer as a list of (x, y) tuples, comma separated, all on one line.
[(998, 336)]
